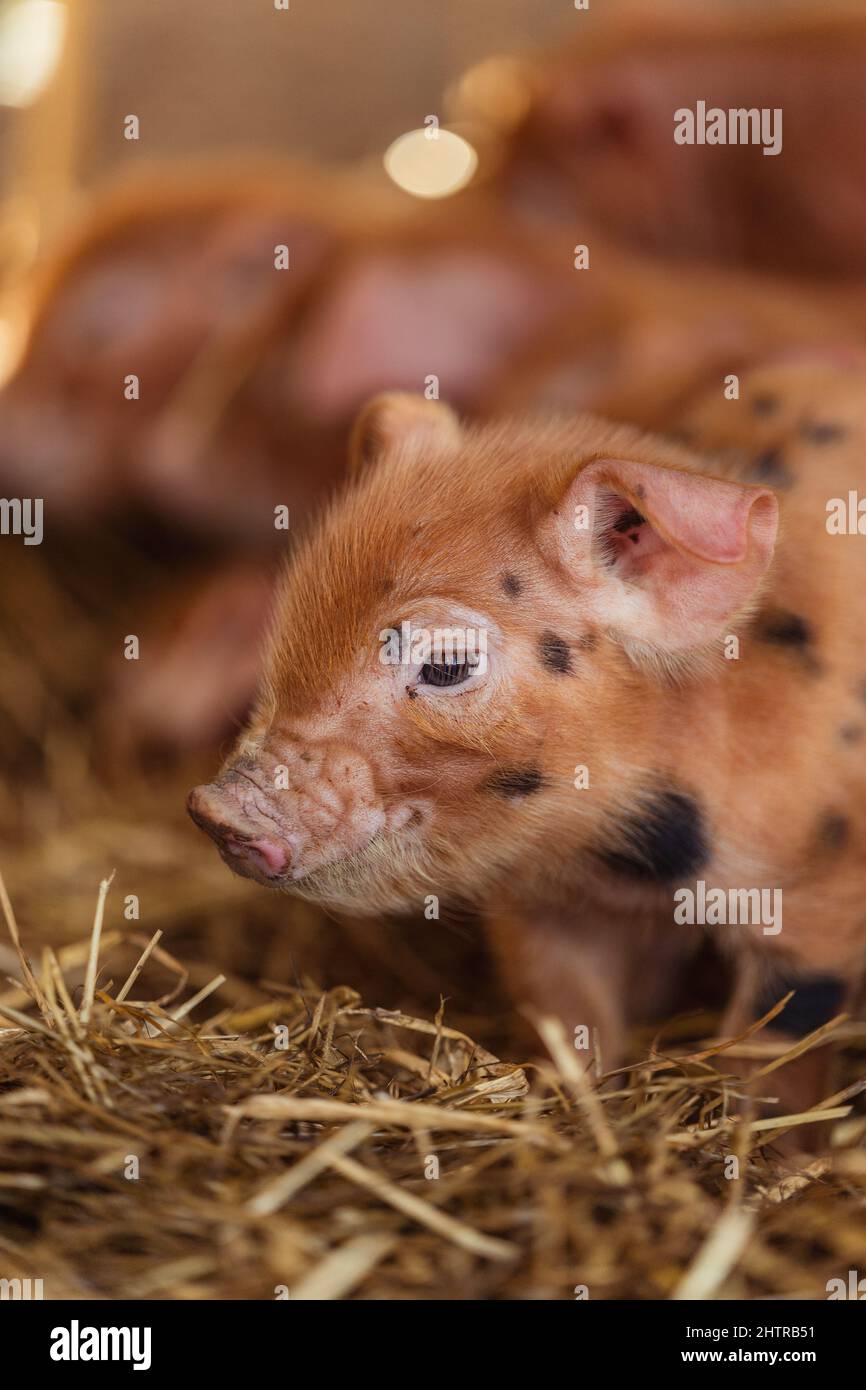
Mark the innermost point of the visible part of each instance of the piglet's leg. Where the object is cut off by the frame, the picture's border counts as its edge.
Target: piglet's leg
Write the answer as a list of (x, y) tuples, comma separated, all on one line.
[(580, 972), (804, 1082)]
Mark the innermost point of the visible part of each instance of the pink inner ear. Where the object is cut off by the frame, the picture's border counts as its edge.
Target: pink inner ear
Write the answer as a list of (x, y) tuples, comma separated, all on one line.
[(623, 536), (674, 555), (706, 517)]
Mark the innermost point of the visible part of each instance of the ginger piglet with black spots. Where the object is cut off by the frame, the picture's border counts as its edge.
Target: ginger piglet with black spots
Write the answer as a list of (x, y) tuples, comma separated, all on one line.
[(664, 705)]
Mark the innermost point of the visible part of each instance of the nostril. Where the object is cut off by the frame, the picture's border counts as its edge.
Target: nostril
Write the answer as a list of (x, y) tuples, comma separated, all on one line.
[(198, 811), (209, 818), (194, 802)]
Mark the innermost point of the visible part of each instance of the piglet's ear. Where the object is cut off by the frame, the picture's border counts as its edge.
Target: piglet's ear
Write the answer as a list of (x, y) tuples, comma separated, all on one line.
[(664, 558), (398, 419)]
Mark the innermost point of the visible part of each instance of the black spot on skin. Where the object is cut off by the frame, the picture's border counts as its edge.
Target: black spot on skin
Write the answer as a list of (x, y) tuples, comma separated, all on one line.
[(789, 630), (663, 842), (765, 405), (818, 999), (640, 490), (516, 781), (511, 585), (387, 586), (852, 733), (770, 468), (786, 630), (411, 692), (554, 653), (822, 432), (833, 830)]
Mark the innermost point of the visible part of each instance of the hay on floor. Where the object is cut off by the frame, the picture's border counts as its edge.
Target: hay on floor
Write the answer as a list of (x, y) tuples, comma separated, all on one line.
[(300, 1144)]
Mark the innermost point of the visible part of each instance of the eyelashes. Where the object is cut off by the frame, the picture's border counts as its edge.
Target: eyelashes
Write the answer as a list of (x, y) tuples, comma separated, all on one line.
[(446, 673)]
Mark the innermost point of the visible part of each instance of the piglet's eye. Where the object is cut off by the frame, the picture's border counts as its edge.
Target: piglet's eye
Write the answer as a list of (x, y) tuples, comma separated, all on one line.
[(442, 673)]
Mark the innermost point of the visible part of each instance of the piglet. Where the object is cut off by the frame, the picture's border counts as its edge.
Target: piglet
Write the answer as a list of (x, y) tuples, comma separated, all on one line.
[(589, 132), (643, 707)]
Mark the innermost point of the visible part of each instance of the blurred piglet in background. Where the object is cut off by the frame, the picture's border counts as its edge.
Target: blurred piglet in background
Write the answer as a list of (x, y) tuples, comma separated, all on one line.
[(588, 132)]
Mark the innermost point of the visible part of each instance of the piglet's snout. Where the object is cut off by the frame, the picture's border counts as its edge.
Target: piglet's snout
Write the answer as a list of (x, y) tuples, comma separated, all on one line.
[(292, 811), (250, 849)]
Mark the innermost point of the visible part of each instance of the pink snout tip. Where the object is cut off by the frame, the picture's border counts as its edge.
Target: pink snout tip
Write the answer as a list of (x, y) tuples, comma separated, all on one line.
[(268, 856), (247, 851)]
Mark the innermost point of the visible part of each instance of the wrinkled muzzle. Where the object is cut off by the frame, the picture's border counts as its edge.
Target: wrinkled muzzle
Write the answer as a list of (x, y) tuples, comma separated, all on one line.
[(249, 846), (278, 818)]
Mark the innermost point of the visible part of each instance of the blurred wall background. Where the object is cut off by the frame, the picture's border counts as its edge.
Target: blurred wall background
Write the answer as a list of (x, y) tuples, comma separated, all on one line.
[(324, 78), (333, 79)]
